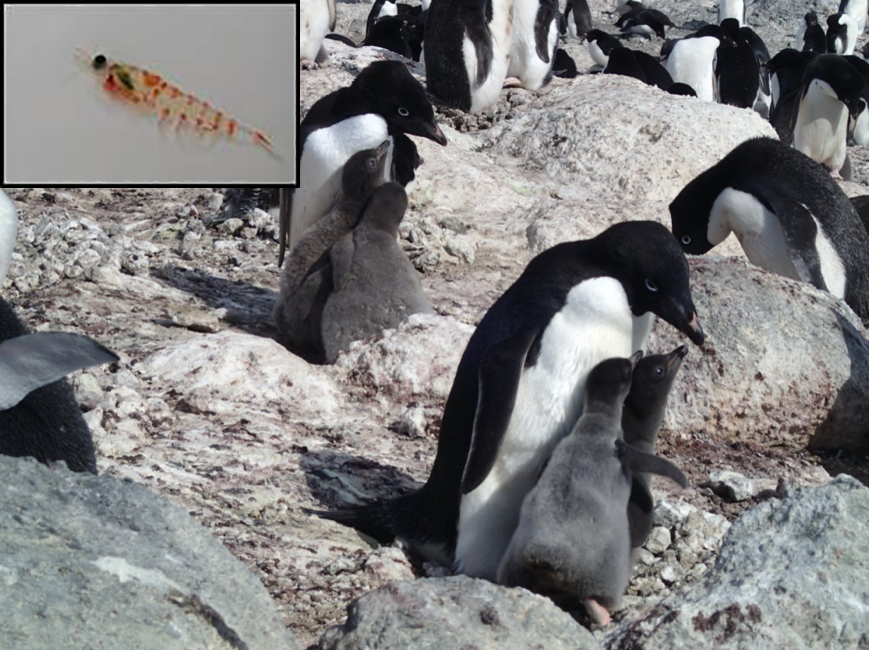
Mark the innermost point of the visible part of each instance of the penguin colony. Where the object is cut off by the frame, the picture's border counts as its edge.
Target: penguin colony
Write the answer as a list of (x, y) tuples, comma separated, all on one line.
[(547, 442)]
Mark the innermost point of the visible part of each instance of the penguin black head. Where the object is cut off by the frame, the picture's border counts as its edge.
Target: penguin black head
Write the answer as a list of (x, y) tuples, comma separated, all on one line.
[(841, 80), (363, 171), (811, 19), (646, 258), (715, 31), (400, 99), (653, 376), (731, 26)]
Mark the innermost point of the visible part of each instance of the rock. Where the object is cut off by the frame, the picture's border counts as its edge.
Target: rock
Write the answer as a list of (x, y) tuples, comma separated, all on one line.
[(782, 361), (659, 540), (455, 612), (733, 486), (93, 562), (790, 574), (217, 371)]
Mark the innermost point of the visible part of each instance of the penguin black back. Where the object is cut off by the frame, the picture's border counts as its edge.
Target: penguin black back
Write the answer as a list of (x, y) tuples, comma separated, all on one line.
[(47, 424)]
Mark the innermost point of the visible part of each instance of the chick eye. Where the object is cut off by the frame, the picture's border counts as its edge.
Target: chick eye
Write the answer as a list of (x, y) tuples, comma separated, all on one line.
[(403, 111), (371, 162), (651, 286), (659, 371), (686, 240)]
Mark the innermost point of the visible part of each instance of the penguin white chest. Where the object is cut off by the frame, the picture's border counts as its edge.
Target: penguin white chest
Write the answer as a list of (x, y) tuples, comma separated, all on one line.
[(596, 53), (595, 324), (692, 62), (323, 157), (757, 229), (822, 126)]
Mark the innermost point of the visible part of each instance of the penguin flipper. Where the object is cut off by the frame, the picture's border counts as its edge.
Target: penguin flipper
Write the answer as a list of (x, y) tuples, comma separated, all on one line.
[(640, 517), (546, 13), (405, 159), (500, 370), (31, 361), (639, 461), (800, 228)]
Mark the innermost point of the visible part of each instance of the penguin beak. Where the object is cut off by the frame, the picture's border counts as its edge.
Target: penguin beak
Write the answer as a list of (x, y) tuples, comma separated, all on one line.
[(381, 150), (635, 358), (433, 132), (674, 359), (678, 318)]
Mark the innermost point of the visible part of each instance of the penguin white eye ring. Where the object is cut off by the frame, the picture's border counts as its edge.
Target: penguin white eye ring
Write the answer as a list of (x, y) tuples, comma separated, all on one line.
[(403, 111), (651, 286), (686, 240)]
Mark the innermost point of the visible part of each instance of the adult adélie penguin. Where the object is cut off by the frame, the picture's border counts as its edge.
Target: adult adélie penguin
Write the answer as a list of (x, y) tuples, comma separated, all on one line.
[(384, 101), (518, 388), (832, 91), (788, 213)]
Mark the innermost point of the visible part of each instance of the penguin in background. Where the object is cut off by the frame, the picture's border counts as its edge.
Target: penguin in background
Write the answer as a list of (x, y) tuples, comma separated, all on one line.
[(639, 65), (859, 126), (644, 22), (731, 9), (831, 91), (519, 385), (384, 100), (467, 51), (788, 213), (810, 35), (738, 72), (600, 45), (316, 19), (763, 99), (785, 80), (857, 10), (533, 42), (841, 34), (564, 66), (577, 16), (693, 60)]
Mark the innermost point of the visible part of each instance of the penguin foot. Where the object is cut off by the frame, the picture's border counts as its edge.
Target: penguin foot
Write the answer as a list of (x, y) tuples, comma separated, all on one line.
[(597, 612), (512, 82)]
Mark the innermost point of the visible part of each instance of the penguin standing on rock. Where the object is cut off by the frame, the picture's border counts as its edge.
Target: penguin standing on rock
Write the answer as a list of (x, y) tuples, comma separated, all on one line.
[(788, 213), (467, 50), (384, 100), (534, 39), (692, 60), (519, 388), (738, 73), (832, 91)]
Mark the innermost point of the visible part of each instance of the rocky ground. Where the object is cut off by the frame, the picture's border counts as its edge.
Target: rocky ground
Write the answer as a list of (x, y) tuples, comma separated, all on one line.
[(209, 411)]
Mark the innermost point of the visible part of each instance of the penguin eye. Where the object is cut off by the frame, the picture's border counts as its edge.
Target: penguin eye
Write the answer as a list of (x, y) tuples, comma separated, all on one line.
[(372, 163), (686, 240), (659, 372), (403, 111), (651, 286)]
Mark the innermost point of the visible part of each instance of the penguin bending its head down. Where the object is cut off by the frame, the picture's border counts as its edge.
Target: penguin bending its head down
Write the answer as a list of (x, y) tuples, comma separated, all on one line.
[(600, 45), (832, 91), (519, 386), (788, 213), (692, 60), (384, 100), (573, 534)]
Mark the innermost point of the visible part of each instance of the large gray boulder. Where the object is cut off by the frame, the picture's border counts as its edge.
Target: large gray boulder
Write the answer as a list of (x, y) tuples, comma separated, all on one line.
[(791, 574), (783, 362), (93, 562), (456, 612)]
